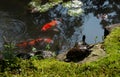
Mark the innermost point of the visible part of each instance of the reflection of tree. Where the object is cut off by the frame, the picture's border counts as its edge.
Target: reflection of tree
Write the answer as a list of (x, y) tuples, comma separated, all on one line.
[(67, 26), (108, 7), (106, 10), (68, 22)]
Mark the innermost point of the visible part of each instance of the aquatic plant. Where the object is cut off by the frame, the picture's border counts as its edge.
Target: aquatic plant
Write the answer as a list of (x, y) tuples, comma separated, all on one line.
[(95, 39), (74, 7), (43, 8), (8, 52), (47, 47), (34, 49)]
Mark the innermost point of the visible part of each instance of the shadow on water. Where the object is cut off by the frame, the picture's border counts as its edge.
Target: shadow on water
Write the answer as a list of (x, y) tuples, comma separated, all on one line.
[(97, 15)]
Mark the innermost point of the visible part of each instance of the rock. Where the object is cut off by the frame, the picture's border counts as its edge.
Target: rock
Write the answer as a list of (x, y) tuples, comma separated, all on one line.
[(94, 53), (40, 54), (61, 56), (79, 51), (47, 54), (110, 27), (97, 53), (76, 54)]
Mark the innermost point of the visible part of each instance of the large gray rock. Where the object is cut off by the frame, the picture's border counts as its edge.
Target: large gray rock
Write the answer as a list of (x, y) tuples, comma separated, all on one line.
[(97, 52)]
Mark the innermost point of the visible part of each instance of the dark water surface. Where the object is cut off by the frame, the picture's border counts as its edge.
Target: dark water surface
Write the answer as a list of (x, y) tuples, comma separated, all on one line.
[(14, 20), (17, 25)]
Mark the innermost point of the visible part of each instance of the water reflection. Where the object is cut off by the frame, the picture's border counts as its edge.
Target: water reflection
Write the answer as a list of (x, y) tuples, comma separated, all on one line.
[(93, 29), (107, 11), (109, 7), (97, 15)]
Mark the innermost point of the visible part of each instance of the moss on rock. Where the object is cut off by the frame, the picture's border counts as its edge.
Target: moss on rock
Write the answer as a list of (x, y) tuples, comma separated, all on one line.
[(112, 42)]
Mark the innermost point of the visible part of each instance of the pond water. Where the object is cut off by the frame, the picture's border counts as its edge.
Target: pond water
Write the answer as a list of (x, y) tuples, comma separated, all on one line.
[(18, 25)]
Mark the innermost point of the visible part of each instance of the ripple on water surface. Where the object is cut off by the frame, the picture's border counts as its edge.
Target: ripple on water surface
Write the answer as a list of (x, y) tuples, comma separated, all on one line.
[(11, 28)]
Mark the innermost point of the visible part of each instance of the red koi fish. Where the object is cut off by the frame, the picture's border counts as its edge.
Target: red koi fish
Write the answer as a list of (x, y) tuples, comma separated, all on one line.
[(49, 25), (48, 40), (39, 39), (33, 42), (22, 44)]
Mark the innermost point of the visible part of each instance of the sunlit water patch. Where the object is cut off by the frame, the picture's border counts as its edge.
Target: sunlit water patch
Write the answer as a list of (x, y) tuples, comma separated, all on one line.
[(93, 30)]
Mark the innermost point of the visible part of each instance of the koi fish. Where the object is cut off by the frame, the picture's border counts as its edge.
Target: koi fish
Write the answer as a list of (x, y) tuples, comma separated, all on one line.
[(33, 42), (48, 40), (22, 44), (39, 39), (49, 25)]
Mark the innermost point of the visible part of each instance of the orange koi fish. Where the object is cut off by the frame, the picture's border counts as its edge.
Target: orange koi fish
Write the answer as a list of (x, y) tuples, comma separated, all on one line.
[(22, 44), (39, 39), (49, 25), (48, 40), (33, 42)]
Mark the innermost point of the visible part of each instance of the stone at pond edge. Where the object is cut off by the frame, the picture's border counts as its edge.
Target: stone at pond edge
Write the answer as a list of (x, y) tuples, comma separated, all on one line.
[(40, 54), (110, 27), (77, 54), (97, 52)]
